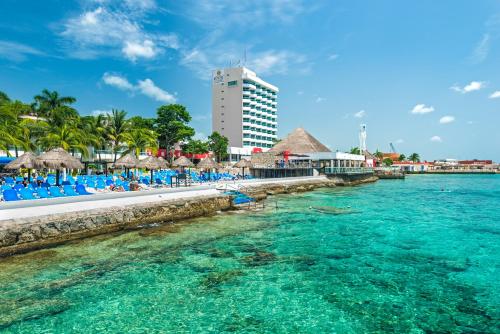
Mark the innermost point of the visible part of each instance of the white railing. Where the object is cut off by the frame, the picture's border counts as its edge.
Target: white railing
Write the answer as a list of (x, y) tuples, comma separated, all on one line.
[(348, 170)]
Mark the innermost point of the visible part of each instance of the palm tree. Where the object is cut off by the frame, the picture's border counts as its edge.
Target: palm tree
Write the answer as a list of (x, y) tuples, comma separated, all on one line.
[(95, 128), (12, 131), (4, 98), (67, 137), (117, 126), (414, 157), (388, 162), (402, 157), (50, 100), (140, 139), (379, 154), (355, 150)]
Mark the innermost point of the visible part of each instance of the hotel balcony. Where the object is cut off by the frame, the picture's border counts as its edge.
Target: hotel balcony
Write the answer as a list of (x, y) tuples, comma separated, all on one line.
[(249, 85)]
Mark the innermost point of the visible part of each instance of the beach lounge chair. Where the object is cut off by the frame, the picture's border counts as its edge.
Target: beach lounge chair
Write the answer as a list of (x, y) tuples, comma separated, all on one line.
[(43, 192), (18, 186), (80, 189), (6, 187), (55, 192), (44, 185), (100, 184), (109, 182), (69, 191), (10, 195), (9, 180), (27, 194)]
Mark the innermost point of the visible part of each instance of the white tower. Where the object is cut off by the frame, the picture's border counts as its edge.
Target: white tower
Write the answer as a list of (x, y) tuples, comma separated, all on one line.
[(362, 139)]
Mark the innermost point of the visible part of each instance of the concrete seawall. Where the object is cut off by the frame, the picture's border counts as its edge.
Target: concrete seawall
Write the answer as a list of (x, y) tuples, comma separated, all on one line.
[(30, 233)]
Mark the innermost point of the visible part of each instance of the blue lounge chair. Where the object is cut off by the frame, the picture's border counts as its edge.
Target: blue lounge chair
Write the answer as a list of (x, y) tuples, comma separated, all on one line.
[(69, 191), (9, 180), (6, 187), (80, 189), (43, 192), (18, 186), (55, 192), (100, 184), (109, 182), (10, 195), (27, 194), (45, 185)]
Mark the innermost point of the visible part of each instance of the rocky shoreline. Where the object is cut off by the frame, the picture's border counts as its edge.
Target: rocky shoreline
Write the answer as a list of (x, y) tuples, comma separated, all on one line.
[(27, 234)]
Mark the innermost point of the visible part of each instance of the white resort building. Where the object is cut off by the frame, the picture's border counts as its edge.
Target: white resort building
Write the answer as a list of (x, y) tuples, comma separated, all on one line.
[(244, 109)]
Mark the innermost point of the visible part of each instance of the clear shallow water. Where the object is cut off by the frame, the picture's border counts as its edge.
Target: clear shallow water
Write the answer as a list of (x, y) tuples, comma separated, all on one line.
[(405, 258)]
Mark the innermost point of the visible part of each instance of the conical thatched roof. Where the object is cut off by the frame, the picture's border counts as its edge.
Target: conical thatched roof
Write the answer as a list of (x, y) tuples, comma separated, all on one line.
[(149, 163), (58, 158), (207, 163), (182, 161), (163, 163), (243, 163), (299, 141), (127, 161), (27, 160)]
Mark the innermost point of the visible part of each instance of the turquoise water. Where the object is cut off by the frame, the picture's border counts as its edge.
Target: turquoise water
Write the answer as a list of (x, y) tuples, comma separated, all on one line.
[(402, 257)]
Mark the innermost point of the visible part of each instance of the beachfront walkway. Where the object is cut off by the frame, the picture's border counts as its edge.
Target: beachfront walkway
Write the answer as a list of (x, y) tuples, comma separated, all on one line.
[(43, 207)]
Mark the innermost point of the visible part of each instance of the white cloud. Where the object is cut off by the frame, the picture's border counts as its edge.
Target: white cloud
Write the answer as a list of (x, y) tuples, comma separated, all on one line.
[(230, 15), (436, 139), (471, 87), (481, 50), (495, 95), (360, 114), (320, 99), (399, 141), (115, 28), (148, 88), (117, 81), (133, 50), (100, 112), (277, 62), (17, 51), (333, 56), (447, 119), (422, 109)]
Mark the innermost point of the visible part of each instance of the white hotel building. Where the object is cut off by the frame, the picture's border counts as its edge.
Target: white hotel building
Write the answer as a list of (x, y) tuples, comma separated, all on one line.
[(244, 109)]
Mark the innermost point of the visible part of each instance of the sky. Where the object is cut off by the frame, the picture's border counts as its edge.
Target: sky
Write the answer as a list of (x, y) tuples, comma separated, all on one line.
[(423, 75)]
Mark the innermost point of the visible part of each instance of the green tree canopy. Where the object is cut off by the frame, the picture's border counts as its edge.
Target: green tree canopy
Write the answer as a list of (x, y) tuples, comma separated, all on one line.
[(387, 162), (172, 125), (402, 157), (218, 144), (195, 146), (355, 150), (140, 139), (415, 157), (50, 100), (138, 122), (116, 127)]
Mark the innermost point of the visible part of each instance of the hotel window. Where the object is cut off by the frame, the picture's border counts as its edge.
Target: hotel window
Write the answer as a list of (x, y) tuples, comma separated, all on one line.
[(247, 143), (232, 83)]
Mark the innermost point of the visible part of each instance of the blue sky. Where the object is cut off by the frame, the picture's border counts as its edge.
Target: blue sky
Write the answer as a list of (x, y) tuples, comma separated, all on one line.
[(424, 75)]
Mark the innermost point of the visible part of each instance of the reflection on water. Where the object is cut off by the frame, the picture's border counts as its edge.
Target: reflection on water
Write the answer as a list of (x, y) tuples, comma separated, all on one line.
[(408, 258)]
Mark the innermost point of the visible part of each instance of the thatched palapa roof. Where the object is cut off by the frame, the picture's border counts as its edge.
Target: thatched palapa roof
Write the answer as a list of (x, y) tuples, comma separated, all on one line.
[(163, 163), (58, 158), (207, 163), (27, 160), (299, 141), (243, 163), (150, 163), (127, 161), (182, 161)]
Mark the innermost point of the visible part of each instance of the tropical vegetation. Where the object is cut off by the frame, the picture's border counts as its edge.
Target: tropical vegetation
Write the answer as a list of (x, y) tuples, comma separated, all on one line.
[(51, 121)]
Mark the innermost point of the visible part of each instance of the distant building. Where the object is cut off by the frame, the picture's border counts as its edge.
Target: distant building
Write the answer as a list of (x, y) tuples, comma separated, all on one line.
[(410, 166), (244, 109)]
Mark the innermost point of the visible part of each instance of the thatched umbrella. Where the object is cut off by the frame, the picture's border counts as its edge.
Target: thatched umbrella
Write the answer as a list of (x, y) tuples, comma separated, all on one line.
[(126, 161), (163, 163), (27, 160), (58, 159), (207, 163), (244, 163), (150, 163), (182, 162)]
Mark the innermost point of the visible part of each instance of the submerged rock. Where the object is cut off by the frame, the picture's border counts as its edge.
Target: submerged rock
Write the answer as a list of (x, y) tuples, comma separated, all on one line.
[(214, 280)]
